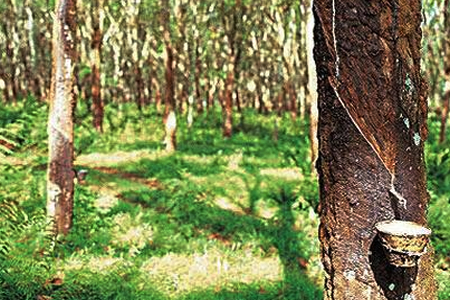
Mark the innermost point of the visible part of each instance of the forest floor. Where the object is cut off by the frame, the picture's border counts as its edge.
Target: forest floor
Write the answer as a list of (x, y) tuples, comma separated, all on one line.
[(235, 246), (219, 219)]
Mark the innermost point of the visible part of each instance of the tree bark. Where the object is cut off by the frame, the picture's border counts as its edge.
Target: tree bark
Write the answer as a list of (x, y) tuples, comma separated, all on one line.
[(170, 120), (446, 96), (97, 36), (372, 127), (312, 87), (12, 47), (228, 102), (60, 185)]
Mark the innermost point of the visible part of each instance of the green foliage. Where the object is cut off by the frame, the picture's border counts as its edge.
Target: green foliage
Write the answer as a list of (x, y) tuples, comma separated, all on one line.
[(438, 215), (438, 164), (26, 252), (17, 126)]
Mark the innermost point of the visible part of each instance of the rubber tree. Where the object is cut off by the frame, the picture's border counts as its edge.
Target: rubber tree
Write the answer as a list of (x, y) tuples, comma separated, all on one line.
[(96, 44), (60, 185), (169, 119), (372, 128), (446, 92)]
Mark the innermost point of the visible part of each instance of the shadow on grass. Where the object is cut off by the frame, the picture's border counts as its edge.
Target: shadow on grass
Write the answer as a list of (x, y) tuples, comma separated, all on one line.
[(259, 292), (128, 286), (145, 171), (170, 167), (102, 286), (294, 260), (181, 213), (253, 138)]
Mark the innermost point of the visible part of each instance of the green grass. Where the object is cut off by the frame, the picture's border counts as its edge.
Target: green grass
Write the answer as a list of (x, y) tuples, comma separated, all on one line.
[(219, 219)]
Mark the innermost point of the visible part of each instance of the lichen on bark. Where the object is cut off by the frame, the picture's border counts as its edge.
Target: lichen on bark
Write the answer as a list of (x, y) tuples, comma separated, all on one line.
[(370, 164)]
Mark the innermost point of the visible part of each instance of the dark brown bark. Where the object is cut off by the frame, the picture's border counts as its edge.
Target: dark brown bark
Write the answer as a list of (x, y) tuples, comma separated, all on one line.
[(372, 127), (60, 123), (140, 87)]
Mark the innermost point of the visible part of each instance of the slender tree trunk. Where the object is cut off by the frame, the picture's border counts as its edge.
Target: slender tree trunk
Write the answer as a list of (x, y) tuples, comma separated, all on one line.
[(140, 88), (97, 36), (198, 74), (211, 87), (302, 18), (228, 103), (372, 127), (312, 87), (292, 99), (446, 96), (32, 48), (11, 51), (170, 119), (60, 123)]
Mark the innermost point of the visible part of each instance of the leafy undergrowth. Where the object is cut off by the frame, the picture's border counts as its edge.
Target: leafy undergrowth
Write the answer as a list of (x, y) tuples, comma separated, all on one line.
[(219, 219)]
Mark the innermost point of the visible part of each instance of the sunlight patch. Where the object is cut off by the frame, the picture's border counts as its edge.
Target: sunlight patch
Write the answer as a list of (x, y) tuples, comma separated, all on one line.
[(228, 205), (131, 233), (99, 264), (185, 273), (285, 173), (105, 202), (116, 158)]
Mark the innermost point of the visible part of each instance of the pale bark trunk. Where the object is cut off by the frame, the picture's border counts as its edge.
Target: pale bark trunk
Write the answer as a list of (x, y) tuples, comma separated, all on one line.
[(312, 87), (60, 184), (170, 120)]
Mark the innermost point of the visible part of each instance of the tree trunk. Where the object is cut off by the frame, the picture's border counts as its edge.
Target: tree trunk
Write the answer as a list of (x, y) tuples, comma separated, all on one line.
[(11, 52), (32, 48), (228, 103), (446, 96), (211, 88), (312, 87), (60, 123), (372, 127), (97, 36), (292, 99), (170, 120), (198, 74)]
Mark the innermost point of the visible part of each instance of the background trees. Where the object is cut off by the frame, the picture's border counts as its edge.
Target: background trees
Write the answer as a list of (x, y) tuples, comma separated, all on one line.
[(237, 54)]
